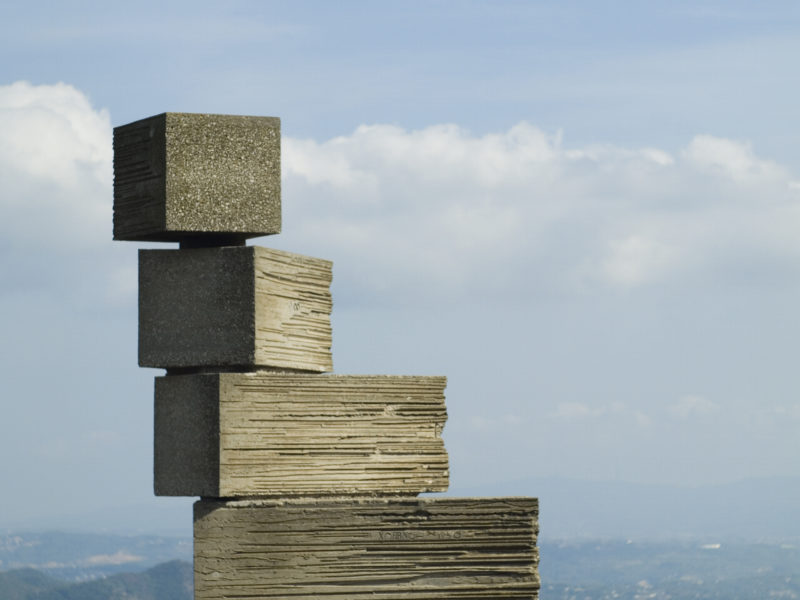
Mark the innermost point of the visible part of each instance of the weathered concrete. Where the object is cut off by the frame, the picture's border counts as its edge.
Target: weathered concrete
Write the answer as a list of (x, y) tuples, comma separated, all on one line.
[(273, 434), (178, 176), (390, 549), (237, 307)]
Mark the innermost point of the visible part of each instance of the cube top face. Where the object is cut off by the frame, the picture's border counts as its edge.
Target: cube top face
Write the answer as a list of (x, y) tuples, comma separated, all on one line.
[(180, 176)]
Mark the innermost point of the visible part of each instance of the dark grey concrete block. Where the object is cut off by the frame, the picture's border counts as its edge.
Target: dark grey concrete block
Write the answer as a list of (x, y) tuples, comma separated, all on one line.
[(234, 307), (186, 436), (180, 176)]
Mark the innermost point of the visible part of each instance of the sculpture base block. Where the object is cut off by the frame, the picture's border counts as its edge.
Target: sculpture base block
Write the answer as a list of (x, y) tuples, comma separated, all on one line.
[(386, 549)]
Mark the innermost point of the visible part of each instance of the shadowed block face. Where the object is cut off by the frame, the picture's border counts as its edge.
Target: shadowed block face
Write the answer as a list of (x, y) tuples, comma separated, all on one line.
[(393, 549), (281, 434), (241, 307), (179, 176)]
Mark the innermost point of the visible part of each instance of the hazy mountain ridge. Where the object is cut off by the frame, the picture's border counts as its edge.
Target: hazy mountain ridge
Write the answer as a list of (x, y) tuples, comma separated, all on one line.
[(167, 581), (599, 540), (571, 570), (86, 556), (626, 570), (21, 584)]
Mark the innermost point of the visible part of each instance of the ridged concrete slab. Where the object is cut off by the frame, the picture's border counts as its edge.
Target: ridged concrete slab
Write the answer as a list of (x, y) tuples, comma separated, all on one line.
[(179, 176), (393, 549), (272, 434), (237, 307)]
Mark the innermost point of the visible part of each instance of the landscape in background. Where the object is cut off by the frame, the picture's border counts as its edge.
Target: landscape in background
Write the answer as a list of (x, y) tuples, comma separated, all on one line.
[(108, 567), (704, 542)]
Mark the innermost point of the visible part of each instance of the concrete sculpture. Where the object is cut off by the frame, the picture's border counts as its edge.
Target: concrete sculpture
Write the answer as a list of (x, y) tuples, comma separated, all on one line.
[(307, 480)]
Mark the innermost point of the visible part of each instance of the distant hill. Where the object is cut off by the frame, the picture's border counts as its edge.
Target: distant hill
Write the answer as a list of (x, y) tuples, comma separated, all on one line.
[(576, 570), (167, 581), (627, 570), (22, 584), (84, 556)]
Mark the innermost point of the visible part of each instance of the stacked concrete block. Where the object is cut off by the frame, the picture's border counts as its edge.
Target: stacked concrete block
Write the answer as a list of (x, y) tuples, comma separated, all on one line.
[(204, 179), (393, 549), (272, 434), (308, 481), (245, 307)]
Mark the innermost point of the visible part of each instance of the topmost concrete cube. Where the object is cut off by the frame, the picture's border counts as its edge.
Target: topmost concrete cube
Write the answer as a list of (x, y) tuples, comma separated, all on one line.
[(197, 179)]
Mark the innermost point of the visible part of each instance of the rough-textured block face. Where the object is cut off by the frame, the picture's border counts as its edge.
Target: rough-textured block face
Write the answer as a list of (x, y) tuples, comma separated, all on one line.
[(243, 307), (178, 176), (273, 434), (425, 549)]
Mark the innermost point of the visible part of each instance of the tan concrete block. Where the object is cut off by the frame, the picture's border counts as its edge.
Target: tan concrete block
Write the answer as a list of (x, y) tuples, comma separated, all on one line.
[(179, 176), (273, 434), (385, 549), (241, 307)]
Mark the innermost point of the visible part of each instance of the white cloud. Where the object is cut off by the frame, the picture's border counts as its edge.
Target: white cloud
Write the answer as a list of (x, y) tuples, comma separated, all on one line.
[(582, 410), (616, 412), (577, 410), (734, 159), (55, 165), (692, 405), (55, 153), (642, 419), (638, 259), (494, 424), (433, 215), (517, 212)]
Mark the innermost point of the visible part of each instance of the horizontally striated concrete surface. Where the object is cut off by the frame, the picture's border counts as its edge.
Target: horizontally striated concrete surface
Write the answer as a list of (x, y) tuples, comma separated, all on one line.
[(236, 307), (273, 434), (179, 176), (389, 549)]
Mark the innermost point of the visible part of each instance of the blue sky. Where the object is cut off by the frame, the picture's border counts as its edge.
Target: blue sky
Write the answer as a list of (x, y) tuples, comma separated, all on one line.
[(584, 214)]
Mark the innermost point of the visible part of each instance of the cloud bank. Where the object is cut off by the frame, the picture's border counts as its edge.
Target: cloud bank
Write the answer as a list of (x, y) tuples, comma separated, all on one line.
[(439, 213), (521, 211), (55, 161), (55, 165)]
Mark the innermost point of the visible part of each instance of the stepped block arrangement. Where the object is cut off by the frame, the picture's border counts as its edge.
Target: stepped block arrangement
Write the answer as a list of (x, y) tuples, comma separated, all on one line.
[(308, 480)]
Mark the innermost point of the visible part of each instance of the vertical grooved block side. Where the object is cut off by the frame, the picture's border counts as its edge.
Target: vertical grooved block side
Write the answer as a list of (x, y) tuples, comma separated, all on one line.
[(293, 310)]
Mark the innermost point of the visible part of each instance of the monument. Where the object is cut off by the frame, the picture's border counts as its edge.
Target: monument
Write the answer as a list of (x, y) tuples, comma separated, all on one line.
[(308, 481)]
